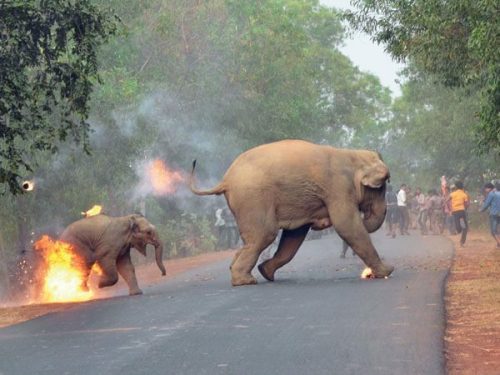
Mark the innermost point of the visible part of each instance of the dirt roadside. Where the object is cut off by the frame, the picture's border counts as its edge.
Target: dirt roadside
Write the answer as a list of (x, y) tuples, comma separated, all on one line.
[(472, 300), (147, 275)]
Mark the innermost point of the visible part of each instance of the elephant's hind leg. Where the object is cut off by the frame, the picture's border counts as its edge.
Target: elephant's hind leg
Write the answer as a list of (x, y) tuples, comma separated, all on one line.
[(241, 269), (87, 261), (127, 271), (255, 241), (109, 275), (256, 218), (288, 246)]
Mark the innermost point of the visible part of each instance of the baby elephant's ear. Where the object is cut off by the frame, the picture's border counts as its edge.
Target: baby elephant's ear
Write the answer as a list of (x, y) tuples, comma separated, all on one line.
[(133, 225)]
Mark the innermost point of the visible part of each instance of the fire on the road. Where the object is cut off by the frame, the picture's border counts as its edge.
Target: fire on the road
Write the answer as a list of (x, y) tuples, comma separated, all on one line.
[(367, 273), (62, 272)]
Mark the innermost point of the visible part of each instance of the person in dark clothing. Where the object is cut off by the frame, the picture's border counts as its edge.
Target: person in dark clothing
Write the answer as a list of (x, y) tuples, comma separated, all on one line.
[(492, 202), (391, 217), (233, 235)]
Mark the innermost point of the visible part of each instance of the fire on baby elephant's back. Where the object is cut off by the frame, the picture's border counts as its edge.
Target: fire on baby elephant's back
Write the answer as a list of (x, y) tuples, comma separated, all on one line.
[(295, 186)]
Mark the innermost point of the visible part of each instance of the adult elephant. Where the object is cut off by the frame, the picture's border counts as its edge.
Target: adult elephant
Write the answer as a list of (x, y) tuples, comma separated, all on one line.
[(296, 185), (107, 241)]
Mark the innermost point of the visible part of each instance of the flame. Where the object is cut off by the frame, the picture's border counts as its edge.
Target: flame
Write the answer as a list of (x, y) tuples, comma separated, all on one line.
[(62, 272), (163, 179), (367, 273), (28, 185), (97, 269), (95, 210)]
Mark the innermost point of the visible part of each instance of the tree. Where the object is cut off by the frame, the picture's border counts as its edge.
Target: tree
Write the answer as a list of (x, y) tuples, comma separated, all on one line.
[(431, 136), (48, 55), (201, 79), (454, 41)]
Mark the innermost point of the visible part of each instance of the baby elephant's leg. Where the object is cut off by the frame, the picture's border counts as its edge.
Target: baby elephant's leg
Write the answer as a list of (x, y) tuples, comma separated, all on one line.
[(127, 271)]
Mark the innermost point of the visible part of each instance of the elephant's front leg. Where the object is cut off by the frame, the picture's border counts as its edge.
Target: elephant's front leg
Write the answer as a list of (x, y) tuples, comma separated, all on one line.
[(349, 225), (127, 271), (289, 245)]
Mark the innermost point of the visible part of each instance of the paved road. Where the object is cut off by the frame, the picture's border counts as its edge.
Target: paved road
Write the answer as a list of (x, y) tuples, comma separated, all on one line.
[(318, 318)]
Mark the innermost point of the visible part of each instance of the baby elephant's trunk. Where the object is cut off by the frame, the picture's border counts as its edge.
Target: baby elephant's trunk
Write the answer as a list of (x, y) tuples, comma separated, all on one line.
[(159, 257)]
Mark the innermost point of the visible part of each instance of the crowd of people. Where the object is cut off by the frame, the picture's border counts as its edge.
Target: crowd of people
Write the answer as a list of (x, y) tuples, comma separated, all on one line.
[(430, 213), (436, 211)]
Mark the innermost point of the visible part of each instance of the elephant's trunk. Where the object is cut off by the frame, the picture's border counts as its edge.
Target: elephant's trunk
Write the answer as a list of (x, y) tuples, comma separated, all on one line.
[(374, 208), (159, 257)]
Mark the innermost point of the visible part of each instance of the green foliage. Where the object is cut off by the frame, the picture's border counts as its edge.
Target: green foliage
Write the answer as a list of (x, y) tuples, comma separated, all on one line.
[(189, 79), (432, 136), (49, 62), (454, 41), (187, 235)]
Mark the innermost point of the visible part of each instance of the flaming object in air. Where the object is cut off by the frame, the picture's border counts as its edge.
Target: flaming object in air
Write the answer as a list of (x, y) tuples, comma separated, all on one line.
[(95, 210), (163, 180), (28, 185), (62, 272)]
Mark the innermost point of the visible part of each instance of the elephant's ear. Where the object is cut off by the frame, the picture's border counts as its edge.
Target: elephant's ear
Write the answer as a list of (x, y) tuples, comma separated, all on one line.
[(133, 224), (358, 183), (373, 176)]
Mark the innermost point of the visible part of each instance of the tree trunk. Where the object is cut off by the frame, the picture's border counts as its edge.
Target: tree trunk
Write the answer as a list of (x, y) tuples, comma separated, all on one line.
[(4, 276)]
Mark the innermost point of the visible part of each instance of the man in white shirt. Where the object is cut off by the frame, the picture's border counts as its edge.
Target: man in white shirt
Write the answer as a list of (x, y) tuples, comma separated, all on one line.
[(403, 210), (220, 226)]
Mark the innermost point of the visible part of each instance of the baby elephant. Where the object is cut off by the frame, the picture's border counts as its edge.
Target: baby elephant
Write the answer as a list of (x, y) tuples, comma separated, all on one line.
[(107, 241)]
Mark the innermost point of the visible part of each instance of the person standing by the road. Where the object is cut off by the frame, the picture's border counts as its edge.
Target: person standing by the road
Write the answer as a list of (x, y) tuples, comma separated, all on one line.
[(391, 201), (417, 202), (448, 217), (492, 202), (435, 212), (232, 233), (345, 247), (459, 203), (403, 210), (421, 206), (220, 226), (423, 215)]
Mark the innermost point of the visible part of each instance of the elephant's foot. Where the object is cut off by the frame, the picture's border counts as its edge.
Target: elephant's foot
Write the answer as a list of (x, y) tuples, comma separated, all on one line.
[(382, 270), (266, 271), (244, 279), (135, 292)]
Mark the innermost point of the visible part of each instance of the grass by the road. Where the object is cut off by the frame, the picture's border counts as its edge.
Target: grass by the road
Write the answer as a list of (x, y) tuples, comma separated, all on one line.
[(472, 338)]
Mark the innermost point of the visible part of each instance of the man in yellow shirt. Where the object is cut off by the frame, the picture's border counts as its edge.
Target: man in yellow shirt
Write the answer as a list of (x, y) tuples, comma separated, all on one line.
[(459, 202)]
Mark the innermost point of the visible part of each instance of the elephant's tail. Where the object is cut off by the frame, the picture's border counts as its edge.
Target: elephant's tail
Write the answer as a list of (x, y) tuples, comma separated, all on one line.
[(219, 189)]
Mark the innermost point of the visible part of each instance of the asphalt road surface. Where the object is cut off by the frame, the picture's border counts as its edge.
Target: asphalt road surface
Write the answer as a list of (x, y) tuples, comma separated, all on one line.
[(318, 317)]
